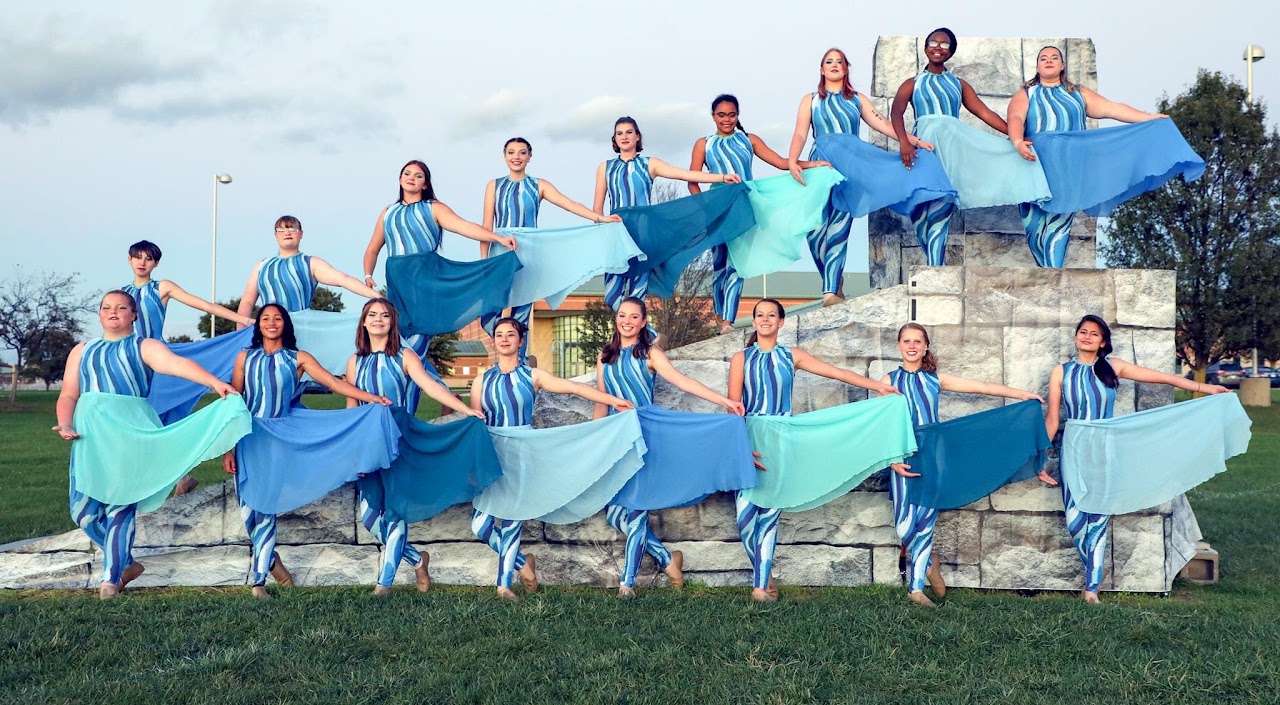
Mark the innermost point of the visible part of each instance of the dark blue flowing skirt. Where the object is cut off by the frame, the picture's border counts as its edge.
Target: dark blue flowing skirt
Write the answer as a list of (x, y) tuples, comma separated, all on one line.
[(175, 398), (439, 465), (965, 459), (1096, 170), (434, 295), (291, 461), (674, 233), (875, 178), (690, 456)]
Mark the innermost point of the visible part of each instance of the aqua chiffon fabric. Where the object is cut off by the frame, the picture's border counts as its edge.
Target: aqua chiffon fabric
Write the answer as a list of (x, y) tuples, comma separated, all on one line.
[(984, 168), (785, 212), (558, 260), (329, 336)]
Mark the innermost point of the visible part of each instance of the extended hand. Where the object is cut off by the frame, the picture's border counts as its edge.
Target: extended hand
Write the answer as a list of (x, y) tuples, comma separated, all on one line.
[(508, 242), (622, 405), (732, 179), (908, 153), (734, 407), (926, 146), (796, 173), (222, 389), (756, 459), (473, 412), (902, 468), (229, 462), (1044, 477), (369, 282), (67, 433), (884, 389), (1024, 149)]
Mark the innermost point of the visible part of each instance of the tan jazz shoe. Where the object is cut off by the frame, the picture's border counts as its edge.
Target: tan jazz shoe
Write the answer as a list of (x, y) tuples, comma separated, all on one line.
[(675, 570), (919, 598), (130, 574), (423, 576), (280, 573), (529, 573), (185, 485)]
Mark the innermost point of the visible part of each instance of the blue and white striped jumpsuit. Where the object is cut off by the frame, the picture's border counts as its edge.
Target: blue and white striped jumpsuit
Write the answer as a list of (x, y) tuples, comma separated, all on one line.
[(829, 244), (629, 377), (286, 281), (1050, 109), (913, 522), (150, 309), (110, 367), (727, 155), (1085, 397), (506, 400), (935, 94), (766, 391), (629, 184), (515, 205), (408, 229)]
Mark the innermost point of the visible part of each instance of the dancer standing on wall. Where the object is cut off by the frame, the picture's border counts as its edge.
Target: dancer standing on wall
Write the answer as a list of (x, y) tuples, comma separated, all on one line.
[(1086, 386), (627, 180), (834, 108), (920, 382)]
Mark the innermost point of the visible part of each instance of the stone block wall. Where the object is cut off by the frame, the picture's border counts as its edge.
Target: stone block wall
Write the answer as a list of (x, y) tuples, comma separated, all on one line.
[(984, 237), (995, 324)]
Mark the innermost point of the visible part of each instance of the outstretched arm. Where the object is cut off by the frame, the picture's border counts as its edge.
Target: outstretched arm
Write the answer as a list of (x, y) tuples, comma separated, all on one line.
[(552, 383), (169, 290), (974, 104), (548, 191), (69, 395), (884, 126), (1099, 108), (308, 364), (160, 358), (450, 221), (775, 160), (326, 274), (809, 363), (418, 373), (249, 297), (969, 386), (371, 251), (662, 365), (1137, 373), (1018, 125), (657, 167)]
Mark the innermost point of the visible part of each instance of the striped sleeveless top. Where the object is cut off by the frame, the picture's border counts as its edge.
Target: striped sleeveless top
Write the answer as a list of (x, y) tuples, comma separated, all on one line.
[(834, 114), (1085, 397), (384, 375), (767, 378), (286, 281), (730, 155), (271, 384), (410, 228), (151, 309), (1054, 109), (921, 391), (628, 182), (515, 203), (115, 367), (936, 94), (507, 398), (629, 377)]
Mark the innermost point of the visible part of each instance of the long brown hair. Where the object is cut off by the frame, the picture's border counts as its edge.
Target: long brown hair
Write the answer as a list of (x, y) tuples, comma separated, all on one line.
[(1035, 79), (1102, 369), (428, 191), (847, 91), (364, 346), (928, 363), (782, 316), (609, 353)]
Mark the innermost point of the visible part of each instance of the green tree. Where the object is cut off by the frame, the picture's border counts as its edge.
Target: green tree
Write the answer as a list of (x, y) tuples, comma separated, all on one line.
[(35, 307), (326, 299), (184, 338), (224, 326), (47, 359), (441, 351), (1219, 232), (595, 330)]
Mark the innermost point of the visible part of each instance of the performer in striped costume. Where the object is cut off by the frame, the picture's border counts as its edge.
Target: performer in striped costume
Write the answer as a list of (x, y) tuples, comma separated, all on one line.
[(269, 375), (761, 377), (512, 201), (730, 151), (120, 362), (936, 91), (920, 382), (627, 180), (382, 366), (1049, 102), (834, 108), (1086, 386), (505, 394), (625, 369)]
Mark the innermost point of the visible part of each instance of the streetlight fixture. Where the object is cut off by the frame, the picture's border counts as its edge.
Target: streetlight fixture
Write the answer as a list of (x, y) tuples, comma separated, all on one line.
[(1252, 53), (1254, 391), (213, 295)]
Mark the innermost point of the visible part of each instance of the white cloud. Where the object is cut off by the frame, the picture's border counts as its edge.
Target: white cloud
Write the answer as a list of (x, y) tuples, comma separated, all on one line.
[(492, 113), (666, 126)]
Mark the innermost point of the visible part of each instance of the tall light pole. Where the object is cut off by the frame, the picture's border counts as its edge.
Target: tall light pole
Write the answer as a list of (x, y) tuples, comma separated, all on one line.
[(213, 294), (1252, 53)]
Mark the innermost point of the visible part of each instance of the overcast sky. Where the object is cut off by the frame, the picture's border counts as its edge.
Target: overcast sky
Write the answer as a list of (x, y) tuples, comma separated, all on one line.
[(114, 120)]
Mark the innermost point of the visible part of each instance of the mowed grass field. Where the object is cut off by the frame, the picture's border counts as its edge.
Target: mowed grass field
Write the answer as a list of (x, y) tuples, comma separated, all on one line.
[(1201, 644)]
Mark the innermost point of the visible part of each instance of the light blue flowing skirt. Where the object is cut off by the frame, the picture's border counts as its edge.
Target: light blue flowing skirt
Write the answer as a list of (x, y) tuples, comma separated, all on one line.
[(439, 465), (1137, 461), (291, 461), (785, 212), (674, 233), (434, 295), (984, 169), (814, 457), (1096, 170), (558, 260), (874, 178), (125, 455), (330, 337), (965, 459), (174, 398), (565, 474), (690, 456)]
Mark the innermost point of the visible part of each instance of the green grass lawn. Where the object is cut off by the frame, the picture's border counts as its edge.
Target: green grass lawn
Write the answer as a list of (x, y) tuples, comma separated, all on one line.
[(1203, 644)]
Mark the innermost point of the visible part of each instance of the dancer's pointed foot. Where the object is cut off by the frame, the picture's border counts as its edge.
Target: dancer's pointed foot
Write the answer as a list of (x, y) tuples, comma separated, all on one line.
[(773, 588), (763, 595), (675, 570), (107, 591), (506, 594), (529, 573), (185, 485), (1090, 597), (280, 573), (625, 593), (130, 574), (423, 578), (918, 597), (260, 592), (381, 590), (831, 300), (726, 327), (934, 576)]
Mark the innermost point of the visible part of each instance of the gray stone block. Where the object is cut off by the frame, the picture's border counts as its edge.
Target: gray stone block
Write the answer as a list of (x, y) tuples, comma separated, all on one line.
[(1137, 550), (1145, 298), (992, 66), (332, 519), (1082, 62), (1029, 552), (194, 565), (895, 60), (957, 538), (1027, 496), (73, 540), (857, 518), (1000, 220), (823, 565), (884, 565), (932, 281), (193, 519), (714, 519), (63, 570)]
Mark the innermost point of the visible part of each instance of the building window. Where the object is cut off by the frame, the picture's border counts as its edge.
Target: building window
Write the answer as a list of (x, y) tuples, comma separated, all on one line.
[(565, 358)]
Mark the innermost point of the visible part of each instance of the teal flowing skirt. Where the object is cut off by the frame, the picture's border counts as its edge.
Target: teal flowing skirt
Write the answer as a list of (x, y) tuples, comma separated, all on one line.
[(674, 233), (785, 212), (558, 260), (1137, 461), (965, 459), (815, 457), (565, 474), (125, 455), (175, 398), (984, 168), (439, 465), (330, 337), (434, 295)]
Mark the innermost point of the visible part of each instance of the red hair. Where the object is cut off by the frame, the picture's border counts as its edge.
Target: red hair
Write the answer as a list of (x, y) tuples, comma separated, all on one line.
[(847, 91)]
